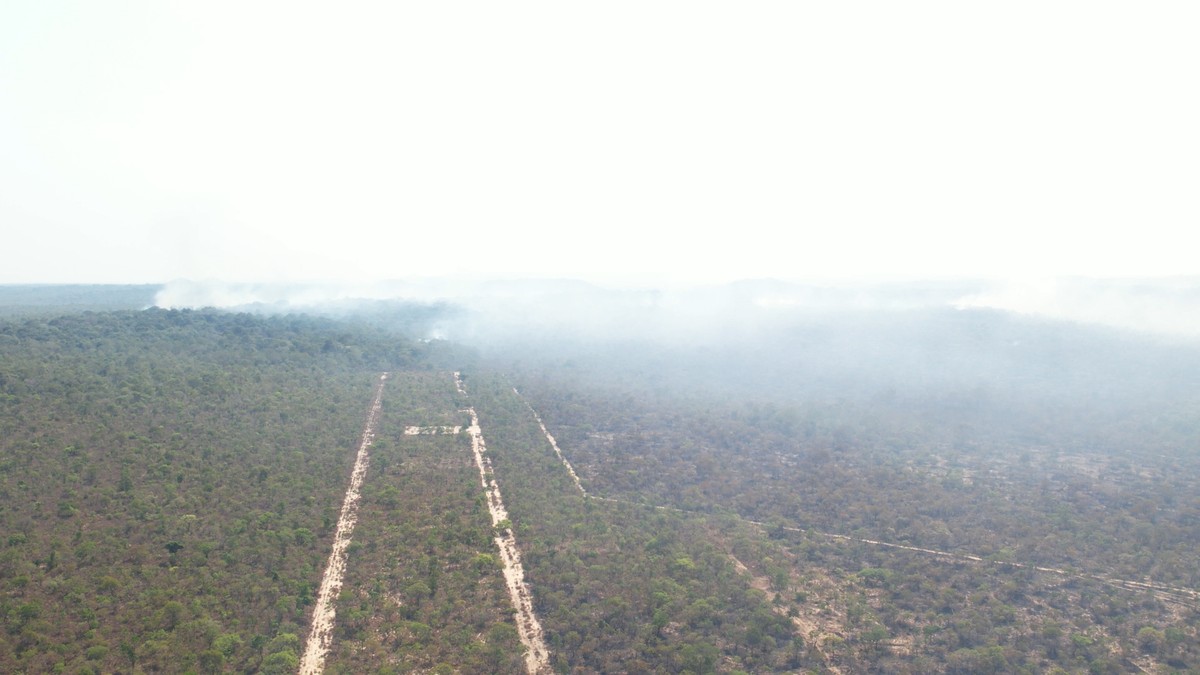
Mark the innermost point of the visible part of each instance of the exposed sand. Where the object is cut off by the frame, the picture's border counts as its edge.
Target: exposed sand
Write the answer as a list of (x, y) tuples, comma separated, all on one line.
[(430, 431), (529, 629), (321, 634)]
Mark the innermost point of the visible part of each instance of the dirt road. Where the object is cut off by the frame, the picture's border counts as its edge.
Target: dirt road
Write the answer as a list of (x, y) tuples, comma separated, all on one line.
[(529, 629), (321, 634)]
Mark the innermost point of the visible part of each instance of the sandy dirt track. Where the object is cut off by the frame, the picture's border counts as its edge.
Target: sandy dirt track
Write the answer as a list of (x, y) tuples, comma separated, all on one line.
[(320, 636), (529, 629)]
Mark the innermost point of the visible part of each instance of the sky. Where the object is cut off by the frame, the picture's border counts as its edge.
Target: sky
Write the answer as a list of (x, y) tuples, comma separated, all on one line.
[(619, 142)]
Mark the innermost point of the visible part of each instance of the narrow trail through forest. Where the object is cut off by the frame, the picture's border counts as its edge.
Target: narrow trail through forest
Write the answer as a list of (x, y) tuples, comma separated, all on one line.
[(553, 444), (529, 629), (320, 636), (1181, 596)]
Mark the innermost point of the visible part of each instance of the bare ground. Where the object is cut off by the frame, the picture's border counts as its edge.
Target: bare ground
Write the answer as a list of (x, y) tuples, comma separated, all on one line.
[(529, 629), (430, 431), (320, 635)]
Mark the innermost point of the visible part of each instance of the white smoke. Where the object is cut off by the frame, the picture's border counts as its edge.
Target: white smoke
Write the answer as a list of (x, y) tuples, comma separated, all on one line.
[(184, 293), (1167, 306)]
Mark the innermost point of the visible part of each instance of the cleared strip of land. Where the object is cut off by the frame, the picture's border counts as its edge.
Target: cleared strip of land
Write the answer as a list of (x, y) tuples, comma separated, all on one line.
[(321, 634), (537, 654), (430, 431)]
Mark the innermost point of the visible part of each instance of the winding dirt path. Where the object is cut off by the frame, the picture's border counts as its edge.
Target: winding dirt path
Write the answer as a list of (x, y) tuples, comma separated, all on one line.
[(320, 636), (529, 629)]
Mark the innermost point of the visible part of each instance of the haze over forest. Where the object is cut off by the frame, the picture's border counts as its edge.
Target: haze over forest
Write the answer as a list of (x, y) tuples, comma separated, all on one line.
[(663, 337), (751, 477)]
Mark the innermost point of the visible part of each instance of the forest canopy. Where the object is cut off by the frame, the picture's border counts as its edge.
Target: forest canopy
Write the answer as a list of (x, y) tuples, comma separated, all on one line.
[(913, 491)]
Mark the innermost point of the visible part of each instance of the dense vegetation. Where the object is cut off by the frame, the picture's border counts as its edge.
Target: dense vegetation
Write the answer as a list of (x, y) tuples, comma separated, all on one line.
[(1077, 453), (424, 591), (169, 482), (621, 587)]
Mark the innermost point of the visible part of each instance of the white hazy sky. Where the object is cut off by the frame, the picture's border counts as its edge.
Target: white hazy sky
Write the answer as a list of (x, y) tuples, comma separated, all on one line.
[(621, 142)]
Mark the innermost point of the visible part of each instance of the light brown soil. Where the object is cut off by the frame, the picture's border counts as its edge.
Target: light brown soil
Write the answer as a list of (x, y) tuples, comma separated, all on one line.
[(430, 431), (321, 634), (529, 629)]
